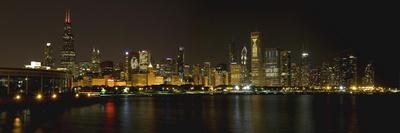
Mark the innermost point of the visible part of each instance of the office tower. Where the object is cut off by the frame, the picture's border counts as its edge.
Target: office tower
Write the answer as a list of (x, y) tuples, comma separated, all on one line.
[(295, 74), (256, 59), (167, 69), (347, 71), (272, 72), (369, 76), (180, 60), (188, 74), (84, 68), (235, 72), (206, 74), (231, 52), (107, 68), (285, 66), (127, 67), (48, 60), (220, 75), (95, 61), (144, 61), (244, 73), (304, 69), (315, 78), (197, 78), (68, 54)]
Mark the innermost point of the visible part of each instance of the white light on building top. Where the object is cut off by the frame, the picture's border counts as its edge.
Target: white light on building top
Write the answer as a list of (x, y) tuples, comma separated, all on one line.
[(48, 44), (34, 65), (304, 54)]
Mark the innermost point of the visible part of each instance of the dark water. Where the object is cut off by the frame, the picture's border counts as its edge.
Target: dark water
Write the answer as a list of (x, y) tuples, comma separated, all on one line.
[(194, 113)]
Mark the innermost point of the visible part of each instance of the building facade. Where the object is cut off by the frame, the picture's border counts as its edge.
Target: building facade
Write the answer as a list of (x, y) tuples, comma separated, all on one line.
[(68, 54), (48, 59), (272, 71), (256, 59)]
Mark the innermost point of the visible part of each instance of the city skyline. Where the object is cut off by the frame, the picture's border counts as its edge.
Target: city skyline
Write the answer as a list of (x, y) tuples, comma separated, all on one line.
[(219, 53)]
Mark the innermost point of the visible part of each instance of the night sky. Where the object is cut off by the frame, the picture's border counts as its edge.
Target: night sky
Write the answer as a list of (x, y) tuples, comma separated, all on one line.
[(204, 28)]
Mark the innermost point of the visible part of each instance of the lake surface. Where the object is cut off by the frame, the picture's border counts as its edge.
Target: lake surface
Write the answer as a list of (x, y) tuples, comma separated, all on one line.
[(215, 114)]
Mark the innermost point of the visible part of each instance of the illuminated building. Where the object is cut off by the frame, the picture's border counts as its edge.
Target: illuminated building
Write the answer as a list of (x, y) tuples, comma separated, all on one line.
[(272, 72), (119, 73), (231, 52), (180, 60), (187, 74), (139, 79), (220, 75), (68, 54), (29, 82), (330, 74), (36, 65), (295, 74), (167, 69), (107, 68), (151, 77), (244, 73), (285, 68), (126, 66), (369, 76), (347, 71), (175, 80), (315, 78), (133, 63), (144, 60), (206, 74), (304, 69), (95, 62), (197, 77), (84, 68), (256, 59), (48, 59), (235, 72)]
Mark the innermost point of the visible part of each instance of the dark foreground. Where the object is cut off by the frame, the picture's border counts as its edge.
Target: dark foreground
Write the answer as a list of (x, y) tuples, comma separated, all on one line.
[(208, 113)]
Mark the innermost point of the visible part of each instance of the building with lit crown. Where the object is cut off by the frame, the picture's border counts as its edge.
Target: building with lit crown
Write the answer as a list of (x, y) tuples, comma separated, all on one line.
[(68, 54), (256, 70)]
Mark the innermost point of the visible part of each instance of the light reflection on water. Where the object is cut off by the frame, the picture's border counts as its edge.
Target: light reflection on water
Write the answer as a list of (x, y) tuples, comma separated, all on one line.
[(236, 113)]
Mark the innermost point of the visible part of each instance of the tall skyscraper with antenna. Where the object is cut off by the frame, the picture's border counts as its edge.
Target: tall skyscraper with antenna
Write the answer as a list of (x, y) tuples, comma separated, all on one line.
[(68, 54)]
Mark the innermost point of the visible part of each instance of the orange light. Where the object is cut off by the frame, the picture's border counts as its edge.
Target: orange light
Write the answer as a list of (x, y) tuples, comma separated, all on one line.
[(77, 95), (39, 97), (18, 97), (54, 96)]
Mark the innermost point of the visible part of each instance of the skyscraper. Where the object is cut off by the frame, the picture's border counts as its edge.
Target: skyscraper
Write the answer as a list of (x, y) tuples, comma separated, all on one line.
[(207, 74), (272, 72), (347, 71), (107, 68), (126, 67), (95, 61), (285, 66), (369, 76), (304, 69), (68, 54), (231, 52), (180, 61), (235, 70), (244, 73), (48, 59), (256, 59), (144, 61)]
